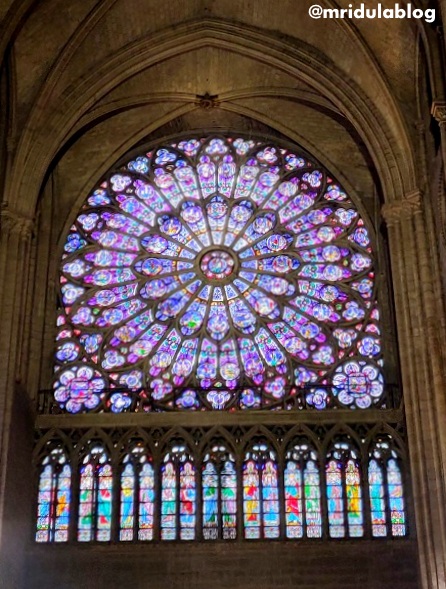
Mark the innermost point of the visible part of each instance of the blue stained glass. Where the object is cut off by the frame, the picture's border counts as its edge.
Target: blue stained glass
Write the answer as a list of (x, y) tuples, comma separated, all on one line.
[(396, 499), (219, 495), (137, 497), (377, 499)]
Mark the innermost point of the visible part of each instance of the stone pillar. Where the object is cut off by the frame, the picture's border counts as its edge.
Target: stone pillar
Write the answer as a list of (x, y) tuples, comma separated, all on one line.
[(438, 111), (421, 334), (15, 242)]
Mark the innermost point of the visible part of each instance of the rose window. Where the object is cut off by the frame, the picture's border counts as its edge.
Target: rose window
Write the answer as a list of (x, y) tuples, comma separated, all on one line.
[(218, 273)]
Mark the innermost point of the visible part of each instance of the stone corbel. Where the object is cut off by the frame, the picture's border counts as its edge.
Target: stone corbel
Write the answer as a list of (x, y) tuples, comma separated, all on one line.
[(438, 111), (15, 223), (394, 212)]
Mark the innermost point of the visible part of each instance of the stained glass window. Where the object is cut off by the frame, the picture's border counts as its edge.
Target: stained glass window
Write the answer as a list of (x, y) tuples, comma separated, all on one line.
[(344, 492), (303, 515), (219, 493), (218, 273), (54, 498), (387, 505), (137, 496), (95, 497), (260, 493), (178, 495)]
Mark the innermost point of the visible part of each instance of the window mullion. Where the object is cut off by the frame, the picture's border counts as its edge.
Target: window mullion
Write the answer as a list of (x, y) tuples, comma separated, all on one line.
[(94, 498), (322, 465), (302, 464), (53, 503), (136, 499), (260, 464), (384, 466), (344, 497)]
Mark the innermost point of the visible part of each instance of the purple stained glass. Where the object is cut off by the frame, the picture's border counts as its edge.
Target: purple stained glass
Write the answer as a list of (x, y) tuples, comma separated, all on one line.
[(218, 263)]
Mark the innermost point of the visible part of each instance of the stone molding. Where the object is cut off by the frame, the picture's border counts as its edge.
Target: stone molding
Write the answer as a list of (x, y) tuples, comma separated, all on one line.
[(311, 65)]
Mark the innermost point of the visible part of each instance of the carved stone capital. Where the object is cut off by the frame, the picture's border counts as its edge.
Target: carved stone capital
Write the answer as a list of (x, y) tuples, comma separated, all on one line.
[(391, 213), (413, 202), (438, 111), (15, 223), (405, 208)]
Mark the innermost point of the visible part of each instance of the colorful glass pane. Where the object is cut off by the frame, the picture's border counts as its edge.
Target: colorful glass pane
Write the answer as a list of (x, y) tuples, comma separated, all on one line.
[(178, 496), (354, 499), (86, 507), (187, 501), (54, 497), (210, 482), (104, 503), (216, 270), (146, 502), (229, 500), (261, 514), (293, 500), (137, 496), (377, 500), (396, 498), (95, 497), (312, 491), (302, 492), (335, 500), (251, 500), (386, 490), (127, 514), (169, 506), (270, 500)]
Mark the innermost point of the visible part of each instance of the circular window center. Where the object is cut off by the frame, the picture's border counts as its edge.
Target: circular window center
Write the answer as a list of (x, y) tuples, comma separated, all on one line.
[(217, 265)]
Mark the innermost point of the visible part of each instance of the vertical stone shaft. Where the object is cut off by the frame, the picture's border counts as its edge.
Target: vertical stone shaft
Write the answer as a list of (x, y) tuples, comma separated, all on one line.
[(15, 235), (419, 326)]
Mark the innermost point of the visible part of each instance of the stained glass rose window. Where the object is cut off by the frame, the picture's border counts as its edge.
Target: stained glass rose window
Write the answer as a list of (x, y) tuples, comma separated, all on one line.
[(218, 272)]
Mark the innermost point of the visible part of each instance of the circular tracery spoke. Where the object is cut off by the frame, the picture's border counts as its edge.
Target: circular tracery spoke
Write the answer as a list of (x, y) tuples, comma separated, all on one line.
[(218, 273)]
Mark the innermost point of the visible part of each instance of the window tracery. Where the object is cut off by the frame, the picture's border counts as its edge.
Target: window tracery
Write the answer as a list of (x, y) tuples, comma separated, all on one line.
[(387, 502), (95, 498), (302, 492), (344, 492), (54, 497), (137, 496), (218, 273), (221, 494), (222, 273), (260, 493)]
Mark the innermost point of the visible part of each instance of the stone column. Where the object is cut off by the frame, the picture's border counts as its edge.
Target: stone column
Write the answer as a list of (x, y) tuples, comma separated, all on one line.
[(438, 111), (421, 333), (15, 240)]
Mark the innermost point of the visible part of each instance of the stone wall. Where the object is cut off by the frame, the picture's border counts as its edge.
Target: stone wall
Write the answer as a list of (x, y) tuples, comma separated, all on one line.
[(242, 565)]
